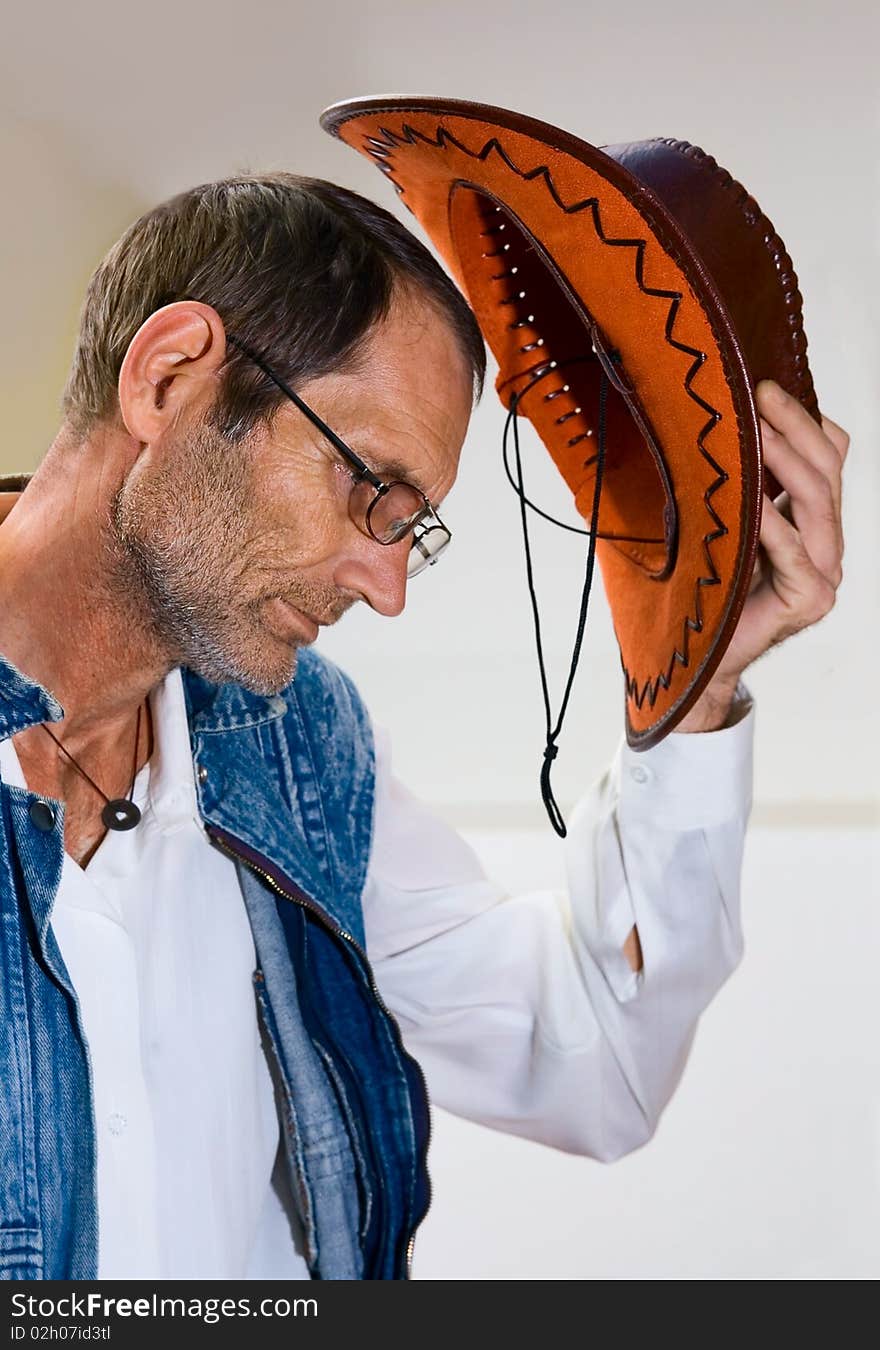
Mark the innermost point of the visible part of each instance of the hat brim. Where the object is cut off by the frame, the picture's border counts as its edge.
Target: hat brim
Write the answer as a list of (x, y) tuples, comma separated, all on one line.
[(567, 259)]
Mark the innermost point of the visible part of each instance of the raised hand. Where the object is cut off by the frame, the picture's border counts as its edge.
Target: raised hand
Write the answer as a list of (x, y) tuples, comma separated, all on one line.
[(800, 559)]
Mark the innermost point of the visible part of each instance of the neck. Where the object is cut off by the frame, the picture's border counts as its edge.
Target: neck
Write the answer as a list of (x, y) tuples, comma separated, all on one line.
[(73, 617)]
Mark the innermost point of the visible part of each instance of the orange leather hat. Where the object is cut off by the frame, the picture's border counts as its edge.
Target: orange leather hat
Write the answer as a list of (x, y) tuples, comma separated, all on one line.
[(648, 262)]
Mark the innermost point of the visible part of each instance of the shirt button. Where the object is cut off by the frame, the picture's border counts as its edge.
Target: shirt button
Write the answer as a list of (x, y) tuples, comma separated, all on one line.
[(116, 1122), (639, 774), (203, 774), (42, 816)]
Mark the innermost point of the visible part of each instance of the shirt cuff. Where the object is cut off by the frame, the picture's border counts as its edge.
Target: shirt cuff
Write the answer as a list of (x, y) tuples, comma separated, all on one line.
[(692, 780)]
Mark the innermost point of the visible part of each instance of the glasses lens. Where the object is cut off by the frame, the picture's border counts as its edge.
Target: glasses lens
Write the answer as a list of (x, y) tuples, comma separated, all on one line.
[(397, 511), (426, 549)]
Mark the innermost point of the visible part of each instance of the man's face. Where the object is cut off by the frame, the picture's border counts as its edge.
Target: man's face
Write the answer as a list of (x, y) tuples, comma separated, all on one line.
[(225, 538)]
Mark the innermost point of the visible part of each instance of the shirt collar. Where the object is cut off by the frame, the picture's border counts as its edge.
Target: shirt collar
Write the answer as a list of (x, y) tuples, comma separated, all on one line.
[(173, 796)]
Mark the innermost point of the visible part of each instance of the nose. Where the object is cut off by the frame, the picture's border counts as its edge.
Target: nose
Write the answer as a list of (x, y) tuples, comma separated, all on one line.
[(378, 573)]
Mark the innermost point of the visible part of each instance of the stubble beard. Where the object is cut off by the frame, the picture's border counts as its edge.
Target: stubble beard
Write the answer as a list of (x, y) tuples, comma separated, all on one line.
[(180, 537)]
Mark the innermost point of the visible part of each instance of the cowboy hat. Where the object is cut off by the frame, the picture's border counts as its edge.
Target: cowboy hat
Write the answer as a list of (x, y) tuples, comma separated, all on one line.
[(644, 268)]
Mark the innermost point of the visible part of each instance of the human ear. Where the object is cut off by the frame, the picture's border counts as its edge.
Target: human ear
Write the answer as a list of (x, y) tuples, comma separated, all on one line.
[(171, 363)]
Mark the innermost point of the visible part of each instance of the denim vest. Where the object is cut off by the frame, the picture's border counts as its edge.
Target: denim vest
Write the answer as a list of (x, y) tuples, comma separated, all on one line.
[(285, 787)]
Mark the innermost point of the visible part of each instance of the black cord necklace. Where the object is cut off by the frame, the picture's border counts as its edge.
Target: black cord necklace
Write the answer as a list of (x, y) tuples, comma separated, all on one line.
[(119, 813)]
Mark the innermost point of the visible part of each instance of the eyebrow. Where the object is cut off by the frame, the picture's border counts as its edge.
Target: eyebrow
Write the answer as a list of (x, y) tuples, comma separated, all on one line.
[(391, 470)]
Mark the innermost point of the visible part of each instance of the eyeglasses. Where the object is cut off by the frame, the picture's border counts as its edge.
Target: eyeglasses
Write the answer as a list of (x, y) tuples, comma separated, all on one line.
[(386, 512)]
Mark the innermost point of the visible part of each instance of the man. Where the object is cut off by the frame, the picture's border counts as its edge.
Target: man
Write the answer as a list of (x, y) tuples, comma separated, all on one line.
[(220, 910)]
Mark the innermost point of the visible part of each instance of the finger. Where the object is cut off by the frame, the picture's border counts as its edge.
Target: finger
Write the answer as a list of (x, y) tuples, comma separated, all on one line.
[(790, 419), (806, 594), (837, 436), (779, 452), (815, 504), (783, 501)]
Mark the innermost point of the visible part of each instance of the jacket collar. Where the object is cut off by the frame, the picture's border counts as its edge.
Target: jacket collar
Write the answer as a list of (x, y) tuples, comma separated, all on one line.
[(212, 707), (227, 707), (24, 702)]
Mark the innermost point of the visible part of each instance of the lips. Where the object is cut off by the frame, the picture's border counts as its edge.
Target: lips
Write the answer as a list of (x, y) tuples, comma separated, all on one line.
[(305, 619), (290, 623)]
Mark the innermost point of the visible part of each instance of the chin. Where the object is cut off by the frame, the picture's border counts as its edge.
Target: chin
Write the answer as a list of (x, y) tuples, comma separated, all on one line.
[(270, 678), (261, 662)]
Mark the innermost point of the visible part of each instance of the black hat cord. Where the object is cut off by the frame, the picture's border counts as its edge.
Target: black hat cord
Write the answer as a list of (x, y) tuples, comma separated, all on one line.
[(551, 749), (119, 813)]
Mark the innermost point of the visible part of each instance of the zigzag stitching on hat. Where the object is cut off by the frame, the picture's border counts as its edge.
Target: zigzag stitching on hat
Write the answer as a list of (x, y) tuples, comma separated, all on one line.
[(681, 653), (651, 688)]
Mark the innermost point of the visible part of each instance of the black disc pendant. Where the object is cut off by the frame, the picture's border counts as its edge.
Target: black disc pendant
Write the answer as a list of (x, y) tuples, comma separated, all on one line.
[(120, 814)]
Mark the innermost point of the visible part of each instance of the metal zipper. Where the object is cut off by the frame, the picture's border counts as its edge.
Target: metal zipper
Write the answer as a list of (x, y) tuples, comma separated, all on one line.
[(305, 903)]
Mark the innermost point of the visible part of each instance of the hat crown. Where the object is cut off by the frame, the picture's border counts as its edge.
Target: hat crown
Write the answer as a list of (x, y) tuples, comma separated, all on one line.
[(742, 256)]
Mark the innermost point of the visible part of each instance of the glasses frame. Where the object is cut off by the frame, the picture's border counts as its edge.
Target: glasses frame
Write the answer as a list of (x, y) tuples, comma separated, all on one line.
[(418, 530)]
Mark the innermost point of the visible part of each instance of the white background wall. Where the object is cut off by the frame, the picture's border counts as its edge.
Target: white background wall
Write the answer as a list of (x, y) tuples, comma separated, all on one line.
[(767, 1161)]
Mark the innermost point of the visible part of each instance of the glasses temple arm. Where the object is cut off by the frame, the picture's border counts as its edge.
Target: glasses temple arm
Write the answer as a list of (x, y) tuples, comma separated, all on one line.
[(308, 412)]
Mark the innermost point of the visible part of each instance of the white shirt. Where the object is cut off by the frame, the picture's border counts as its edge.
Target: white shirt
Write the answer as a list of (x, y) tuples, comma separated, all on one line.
[(523, 1011)]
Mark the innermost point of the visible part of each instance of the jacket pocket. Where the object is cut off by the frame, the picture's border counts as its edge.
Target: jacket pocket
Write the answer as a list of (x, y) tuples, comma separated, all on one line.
[(21, 1254)]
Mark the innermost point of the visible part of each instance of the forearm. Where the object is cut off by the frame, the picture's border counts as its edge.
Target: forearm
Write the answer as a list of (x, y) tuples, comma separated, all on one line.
[(722, 704), (712, 709), (655, 856)]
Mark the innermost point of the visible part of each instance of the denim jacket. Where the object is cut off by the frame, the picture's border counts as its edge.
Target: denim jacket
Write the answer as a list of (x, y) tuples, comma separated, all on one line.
[(285, 789)]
